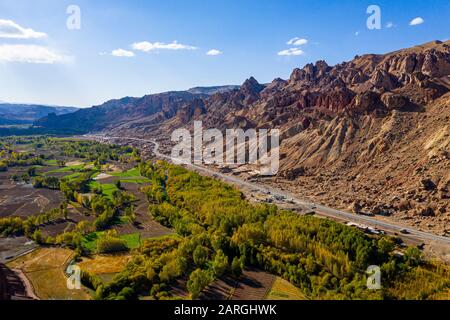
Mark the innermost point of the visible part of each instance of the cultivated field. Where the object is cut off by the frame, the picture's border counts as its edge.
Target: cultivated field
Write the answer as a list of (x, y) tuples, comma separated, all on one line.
[(253, 285), (22, 200), (45, 270), (284, 290), (104, 264)]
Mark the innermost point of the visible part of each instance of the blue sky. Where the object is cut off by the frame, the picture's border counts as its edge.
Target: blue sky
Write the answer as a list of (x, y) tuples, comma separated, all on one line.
[(249, 38)]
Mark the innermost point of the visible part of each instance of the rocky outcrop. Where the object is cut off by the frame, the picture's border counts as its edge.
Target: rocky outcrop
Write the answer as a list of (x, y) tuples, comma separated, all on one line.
[(394, 101), (192, 110)]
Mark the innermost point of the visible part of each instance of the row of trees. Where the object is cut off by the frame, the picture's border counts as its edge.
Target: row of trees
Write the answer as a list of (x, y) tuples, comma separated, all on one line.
[(221, 233)]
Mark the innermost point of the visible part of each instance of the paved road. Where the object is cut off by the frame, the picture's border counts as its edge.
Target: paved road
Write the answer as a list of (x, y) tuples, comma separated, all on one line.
[(389, 227)]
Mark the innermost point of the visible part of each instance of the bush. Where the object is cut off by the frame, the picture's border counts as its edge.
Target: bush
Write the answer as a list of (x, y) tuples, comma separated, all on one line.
[(13, 226), (198, 280), (111, 244), (3, 167)]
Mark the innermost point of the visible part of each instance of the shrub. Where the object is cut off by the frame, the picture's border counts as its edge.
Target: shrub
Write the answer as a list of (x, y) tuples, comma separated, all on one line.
[(111, 244)]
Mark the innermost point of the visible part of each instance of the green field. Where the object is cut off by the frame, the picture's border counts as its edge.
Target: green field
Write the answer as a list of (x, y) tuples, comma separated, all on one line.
[(283, 290), (51, 163), (107, 188), (131, 176), (90, 241), (67, 169)]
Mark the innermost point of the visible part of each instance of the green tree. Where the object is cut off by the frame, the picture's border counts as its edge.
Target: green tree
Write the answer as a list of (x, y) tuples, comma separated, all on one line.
[(220, 264), (386, 245), (3, 166), (413, 256), (31, 171), (198, 280), (37, 236), (236, 267), (200, 255)]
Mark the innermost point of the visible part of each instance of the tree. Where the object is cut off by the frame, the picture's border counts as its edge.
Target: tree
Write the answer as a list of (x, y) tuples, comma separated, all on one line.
[(31, 171), (118, 184), (220, 264), (236, 267), (413, 256), (198, 280), (130, 214), (200, 255), (110, 243), (3, 166), (127, 293), (386, 245), (37, 236), (63, 210)]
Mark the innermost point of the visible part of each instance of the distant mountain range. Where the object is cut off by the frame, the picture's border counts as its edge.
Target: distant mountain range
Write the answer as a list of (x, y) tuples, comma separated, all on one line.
[(20, 114), (151, 109)]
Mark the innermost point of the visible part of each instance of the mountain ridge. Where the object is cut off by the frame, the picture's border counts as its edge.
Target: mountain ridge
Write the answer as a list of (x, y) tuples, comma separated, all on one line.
[(366, 135), (19, 113)]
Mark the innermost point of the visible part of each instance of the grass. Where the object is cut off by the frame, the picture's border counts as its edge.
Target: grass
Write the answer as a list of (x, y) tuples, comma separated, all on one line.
[(72, 176), (284, 290), (105, 264), (133, 240), (51, 163), (107, 188), (130, 176), (45, 269), (127, 174), (68, 169)]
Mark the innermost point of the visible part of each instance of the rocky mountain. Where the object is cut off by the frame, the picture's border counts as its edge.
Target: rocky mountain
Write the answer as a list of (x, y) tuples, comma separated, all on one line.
[(370, 135), (148, 110), (132, 112), (212, 90), (17, 114)]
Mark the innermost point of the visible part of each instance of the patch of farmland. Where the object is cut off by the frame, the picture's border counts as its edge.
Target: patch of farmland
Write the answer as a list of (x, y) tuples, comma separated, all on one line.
[(133, 240), (221, 289), (130, 176), (61, 225), (10, 248), (254, 284), (45, 269), (284, 290), (105, 264), (24, 200), (145, 225), (178, 288)]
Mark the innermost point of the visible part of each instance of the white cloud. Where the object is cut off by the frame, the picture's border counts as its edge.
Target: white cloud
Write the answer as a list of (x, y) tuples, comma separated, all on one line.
[(416, 21), (357, 33), (146, 46), (30, 54), (297, 42), (389, 25), (122, 53), (10, 29), (291, 52), (214, 52)]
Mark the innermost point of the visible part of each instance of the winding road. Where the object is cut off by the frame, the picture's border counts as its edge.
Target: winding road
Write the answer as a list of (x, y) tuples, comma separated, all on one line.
[(404, 232)]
